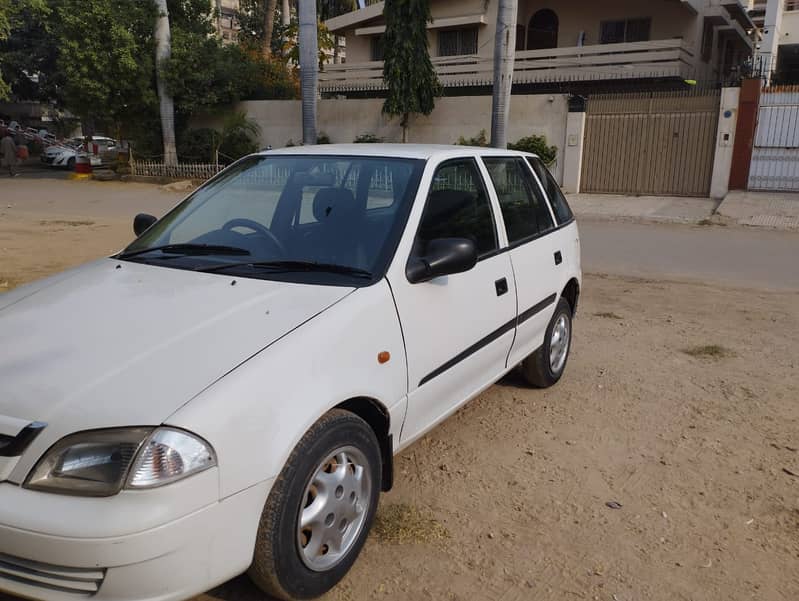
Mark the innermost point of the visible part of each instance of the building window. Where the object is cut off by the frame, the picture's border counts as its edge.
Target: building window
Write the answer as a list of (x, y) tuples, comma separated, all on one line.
[(625, 31), (457, 42), (378, 48), (791, 5), (543, 30)]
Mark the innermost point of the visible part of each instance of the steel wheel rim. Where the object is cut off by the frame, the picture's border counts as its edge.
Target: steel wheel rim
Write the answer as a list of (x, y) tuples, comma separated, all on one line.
[(334, 508), (559, 344)]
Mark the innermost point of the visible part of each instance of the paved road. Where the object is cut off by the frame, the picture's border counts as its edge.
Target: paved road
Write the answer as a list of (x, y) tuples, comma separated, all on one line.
[(734, 256)]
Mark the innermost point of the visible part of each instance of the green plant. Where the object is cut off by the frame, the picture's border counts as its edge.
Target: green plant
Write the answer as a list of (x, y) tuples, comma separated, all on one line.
[(536, 145), (407, 69), (323, 138), (367, 139), (197, 145), (479, 140)]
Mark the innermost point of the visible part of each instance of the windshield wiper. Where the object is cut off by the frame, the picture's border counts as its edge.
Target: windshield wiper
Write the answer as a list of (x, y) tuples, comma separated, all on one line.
[(287, 266), (188, 249)]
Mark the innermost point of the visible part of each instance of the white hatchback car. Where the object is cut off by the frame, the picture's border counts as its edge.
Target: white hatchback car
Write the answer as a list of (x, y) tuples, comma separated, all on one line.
[(227, 393)]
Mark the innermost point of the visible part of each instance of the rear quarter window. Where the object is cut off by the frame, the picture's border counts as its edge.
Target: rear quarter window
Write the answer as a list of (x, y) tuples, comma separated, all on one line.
[(563, 213)]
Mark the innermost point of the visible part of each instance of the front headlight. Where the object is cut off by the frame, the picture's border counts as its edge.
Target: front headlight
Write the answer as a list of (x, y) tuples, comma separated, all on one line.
[(100, 463)]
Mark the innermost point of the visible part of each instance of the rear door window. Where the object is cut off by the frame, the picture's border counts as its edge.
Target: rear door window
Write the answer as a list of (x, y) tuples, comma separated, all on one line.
[(560, 207), (523, 205)]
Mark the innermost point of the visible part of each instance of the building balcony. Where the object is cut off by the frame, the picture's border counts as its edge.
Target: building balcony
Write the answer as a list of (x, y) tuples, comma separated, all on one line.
[(637, 60)]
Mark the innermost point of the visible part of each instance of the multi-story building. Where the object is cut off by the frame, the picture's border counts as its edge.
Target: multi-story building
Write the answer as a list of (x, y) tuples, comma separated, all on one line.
[(227, 24), (563, 41), (777, 53)]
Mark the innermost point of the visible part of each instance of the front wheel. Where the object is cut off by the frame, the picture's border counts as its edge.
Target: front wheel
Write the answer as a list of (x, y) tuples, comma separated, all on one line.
[(320, 509), (545, 366)]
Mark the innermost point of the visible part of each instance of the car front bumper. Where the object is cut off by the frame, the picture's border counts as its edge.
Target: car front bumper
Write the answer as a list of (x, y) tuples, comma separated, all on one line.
[(170, 561)]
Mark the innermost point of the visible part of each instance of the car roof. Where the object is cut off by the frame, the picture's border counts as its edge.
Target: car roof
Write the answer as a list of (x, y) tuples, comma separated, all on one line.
[(406, 151)]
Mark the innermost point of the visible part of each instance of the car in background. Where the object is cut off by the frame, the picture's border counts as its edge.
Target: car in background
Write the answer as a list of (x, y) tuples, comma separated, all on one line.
[(65, 155)]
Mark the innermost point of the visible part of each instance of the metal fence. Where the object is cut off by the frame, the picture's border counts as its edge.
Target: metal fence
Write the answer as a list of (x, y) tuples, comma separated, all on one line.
[(657, 143), (775, 156), (180, 171)]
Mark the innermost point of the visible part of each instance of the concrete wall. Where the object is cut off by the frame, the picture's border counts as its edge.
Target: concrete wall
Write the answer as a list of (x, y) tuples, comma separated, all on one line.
[(789, 29), (344, 120)]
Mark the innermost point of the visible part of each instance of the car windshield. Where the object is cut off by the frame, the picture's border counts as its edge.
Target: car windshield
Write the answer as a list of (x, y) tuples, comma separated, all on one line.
[(317, 219)]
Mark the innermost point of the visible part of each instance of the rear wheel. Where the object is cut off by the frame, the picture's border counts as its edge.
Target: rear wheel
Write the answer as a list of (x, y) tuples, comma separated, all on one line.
[(71, 164), (320, 509), (545, 366)]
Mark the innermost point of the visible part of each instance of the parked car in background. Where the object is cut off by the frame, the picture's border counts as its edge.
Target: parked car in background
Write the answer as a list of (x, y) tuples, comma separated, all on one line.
[(226, 395), (65, 155)]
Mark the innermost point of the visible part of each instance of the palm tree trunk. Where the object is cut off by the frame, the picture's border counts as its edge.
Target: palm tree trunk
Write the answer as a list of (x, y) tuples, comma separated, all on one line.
[(504, 54), (269, 25), (285, 13), (163, 50), (309, 68), (219, 18)]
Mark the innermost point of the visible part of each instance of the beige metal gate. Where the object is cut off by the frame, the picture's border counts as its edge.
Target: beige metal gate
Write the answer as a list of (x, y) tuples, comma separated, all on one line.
[(653, 143)]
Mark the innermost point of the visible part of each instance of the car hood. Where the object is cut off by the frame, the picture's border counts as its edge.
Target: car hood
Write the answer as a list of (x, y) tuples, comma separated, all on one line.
[(118, 343)]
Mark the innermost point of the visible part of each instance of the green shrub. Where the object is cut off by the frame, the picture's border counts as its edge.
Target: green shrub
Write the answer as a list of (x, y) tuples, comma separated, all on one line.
[(197, 145), (536, 145), (323, 138), (367, 139), (479, 140)]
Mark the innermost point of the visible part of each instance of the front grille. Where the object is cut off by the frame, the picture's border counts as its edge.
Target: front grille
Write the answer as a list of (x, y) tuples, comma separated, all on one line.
[(79, 581)]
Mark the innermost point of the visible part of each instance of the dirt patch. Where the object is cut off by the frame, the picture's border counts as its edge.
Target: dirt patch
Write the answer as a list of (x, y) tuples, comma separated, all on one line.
[(74, 223), (608, 315), (403, 524), (695, 452), (709, 351)]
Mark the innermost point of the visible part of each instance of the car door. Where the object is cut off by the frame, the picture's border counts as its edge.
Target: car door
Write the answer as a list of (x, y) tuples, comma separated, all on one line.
[(532, 250), (458, 329)]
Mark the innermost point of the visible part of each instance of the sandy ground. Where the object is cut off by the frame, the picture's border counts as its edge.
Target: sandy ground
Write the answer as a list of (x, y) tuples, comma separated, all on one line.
[(508, 499)]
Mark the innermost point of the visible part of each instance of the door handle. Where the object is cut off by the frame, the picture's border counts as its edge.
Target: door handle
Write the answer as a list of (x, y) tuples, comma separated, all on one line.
[(501, 286), (558, 258)]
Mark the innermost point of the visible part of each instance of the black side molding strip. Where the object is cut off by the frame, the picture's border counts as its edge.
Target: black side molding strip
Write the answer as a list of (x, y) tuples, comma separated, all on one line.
[(537, 308), (501, 331), (16, 446)]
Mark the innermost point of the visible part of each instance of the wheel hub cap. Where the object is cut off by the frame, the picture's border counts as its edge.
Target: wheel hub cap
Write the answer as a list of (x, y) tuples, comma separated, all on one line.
[(334, 509), (559, 344)]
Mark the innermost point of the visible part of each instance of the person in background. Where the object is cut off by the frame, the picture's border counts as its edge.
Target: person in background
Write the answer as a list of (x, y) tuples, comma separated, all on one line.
[(8, 154)]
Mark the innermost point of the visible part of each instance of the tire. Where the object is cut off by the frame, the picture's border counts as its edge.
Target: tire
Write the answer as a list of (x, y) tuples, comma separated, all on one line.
[(540, 369), (71, 164), (284, 563)]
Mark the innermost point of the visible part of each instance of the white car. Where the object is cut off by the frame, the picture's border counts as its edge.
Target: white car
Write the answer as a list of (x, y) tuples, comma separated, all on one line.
[(65, 155), (226, 395)]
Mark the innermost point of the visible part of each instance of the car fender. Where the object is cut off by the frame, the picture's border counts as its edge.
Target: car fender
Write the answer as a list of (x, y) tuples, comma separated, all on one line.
[(256, 414)]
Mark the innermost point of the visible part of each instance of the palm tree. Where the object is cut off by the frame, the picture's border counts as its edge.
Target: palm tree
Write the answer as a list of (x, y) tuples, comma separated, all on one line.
[(309, 68), (270, 6), (285, 13), (163, 50), (504, 53)]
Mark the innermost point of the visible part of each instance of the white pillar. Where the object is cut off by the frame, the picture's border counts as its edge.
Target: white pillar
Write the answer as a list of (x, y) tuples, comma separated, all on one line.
[(722, 162), (573, 153)]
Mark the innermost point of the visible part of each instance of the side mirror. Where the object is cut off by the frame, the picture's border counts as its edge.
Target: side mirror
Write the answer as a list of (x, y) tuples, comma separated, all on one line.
[(142, 222), (445, 256)]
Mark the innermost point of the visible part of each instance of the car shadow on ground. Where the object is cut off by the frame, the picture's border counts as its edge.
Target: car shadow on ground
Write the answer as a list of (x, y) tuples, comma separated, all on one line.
[(239, 588)]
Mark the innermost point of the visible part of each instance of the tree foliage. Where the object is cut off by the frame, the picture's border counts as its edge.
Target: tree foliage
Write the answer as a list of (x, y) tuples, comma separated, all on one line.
[(202, 73), (15, 15), (408, 72), (106, 56)]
